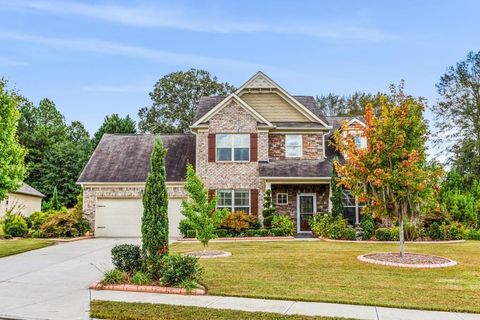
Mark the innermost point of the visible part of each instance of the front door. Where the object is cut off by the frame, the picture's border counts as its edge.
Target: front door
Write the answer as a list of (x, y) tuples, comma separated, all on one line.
[(306, 207)]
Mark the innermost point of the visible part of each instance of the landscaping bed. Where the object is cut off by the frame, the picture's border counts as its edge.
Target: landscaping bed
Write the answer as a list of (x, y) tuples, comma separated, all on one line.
[(147, 311), (144, 288), (409, 260), (330, 272)]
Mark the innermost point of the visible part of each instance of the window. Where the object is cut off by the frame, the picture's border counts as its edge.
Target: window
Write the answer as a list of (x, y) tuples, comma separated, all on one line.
[(233, 147), (293, 145), (352, 208), (360, 142), (234, 200), (282, 198)]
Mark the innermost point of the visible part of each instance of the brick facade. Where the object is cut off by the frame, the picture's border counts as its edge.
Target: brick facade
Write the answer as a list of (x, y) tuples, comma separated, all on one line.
[(312, 145), (232, 175), (92, 193), (321, 190)]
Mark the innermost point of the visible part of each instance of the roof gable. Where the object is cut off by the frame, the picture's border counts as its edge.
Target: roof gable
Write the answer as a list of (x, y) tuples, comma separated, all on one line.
[(260, 82), (224, 103)]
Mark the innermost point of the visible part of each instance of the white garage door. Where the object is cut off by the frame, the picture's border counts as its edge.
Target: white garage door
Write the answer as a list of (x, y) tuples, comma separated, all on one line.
[(123, 217)]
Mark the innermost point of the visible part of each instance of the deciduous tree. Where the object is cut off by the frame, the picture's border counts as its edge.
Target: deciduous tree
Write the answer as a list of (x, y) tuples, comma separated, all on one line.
[(391, 175), (348, 105), (336, 198), (175, 98), (12, 167)]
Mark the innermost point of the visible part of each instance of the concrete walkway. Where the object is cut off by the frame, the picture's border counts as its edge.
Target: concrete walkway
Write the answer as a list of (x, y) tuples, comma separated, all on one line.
[(282, 306)]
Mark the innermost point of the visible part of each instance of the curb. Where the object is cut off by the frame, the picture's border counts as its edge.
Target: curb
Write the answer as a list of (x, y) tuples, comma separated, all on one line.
[(148, 289)]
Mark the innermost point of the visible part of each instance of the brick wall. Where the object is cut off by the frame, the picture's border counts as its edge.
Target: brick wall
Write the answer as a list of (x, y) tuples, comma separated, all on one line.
[(312, 147)]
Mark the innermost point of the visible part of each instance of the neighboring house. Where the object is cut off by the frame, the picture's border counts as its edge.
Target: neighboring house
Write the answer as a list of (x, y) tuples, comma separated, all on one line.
[(25, 201), (258, 138)]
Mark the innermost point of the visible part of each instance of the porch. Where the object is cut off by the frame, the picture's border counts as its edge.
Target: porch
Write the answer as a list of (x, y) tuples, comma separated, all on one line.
[(300, 201)]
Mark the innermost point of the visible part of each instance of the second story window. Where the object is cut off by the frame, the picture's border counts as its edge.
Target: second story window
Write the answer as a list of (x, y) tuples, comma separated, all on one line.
[(293, 145), (233, 147), (360, 141)]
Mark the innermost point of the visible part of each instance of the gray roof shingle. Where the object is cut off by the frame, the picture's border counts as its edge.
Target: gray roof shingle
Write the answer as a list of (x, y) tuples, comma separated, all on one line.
[(28, 190), (126, 158)]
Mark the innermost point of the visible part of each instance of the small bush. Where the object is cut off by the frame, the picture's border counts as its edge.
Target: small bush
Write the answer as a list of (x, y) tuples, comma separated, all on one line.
[(184, 226), (238, 221), (284, 223), (413, 231), (126, 257), (36, 219), (223, 233), (178, 269), (473, 235), (113, 276), (257, 233), (65, 223), (434, 231), (332, 228), (191, 234), (368, 226), (141, 278), (15, 225), (447, 231), (388, 234)]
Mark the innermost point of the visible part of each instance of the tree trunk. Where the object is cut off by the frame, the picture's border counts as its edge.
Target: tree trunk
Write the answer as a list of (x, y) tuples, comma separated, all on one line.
[(402, 234)]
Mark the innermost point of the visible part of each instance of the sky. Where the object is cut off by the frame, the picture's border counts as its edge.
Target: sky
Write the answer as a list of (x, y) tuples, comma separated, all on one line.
[(95, 58)]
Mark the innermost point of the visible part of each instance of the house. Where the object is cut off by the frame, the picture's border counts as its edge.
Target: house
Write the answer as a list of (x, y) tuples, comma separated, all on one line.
[(259, 137), (25, 201)]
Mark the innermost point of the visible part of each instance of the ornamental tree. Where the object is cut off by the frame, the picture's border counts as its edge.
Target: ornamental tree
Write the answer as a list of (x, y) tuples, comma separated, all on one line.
[(155, 204), (201, 211), (12, 154), (391, 174), (336, 197), (268, 209)]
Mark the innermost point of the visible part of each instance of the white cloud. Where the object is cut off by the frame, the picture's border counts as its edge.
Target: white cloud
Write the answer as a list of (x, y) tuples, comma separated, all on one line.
[(120, 49), (183, 18)]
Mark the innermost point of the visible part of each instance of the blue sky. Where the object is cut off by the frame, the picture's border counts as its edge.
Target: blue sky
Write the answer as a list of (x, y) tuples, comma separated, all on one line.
[(94, 58)]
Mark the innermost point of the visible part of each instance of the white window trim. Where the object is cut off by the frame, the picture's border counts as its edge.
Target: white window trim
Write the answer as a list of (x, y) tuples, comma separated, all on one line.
[(232, 207), (283, 193), (232, 148), (301, 146)]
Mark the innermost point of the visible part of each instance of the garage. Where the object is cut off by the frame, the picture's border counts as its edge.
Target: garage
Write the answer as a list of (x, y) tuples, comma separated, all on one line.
[(116, 217)]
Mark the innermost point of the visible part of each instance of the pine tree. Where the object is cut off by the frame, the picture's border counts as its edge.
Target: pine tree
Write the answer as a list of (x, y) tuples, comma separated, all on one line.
[(268, 209), (336, 198), (155, 207), (54, 202)]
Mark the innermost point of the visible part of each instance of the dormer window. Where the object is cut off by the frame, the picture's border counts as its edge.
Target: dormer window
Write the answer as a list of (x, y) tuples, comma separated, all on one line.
[(233, 147), (293, 145)]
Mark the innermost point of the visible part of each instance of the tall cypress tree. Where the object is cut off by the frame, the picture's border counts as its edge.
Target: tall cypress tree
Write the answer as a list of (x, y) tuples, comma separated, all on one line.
[(155, 207), (336, 197)]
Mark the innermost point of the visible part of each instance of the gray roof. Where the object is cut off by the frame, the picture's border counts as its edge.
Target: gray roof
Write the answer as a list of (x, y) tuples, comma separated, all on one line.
[(126, 158), (28, 190), (208, 103), (336, 122)]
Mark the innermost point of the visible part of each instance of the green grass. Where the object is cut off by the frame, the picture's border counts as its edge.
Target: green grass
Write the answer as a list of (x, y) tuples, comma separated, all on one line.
[(145, 311), (330, 272), (11, 247)]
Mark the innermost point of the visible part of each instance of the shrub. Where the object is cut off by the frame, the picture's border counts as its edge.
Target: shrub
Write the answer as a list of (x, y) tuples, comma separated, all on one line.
[(191, 234), (237, 221), (268, 209), (15, 225), (413, 231), (223, 233), (473, 235), (284, 223), (333, 228), (36, 219), (64, 223), (178, 269), (388, 234), (368, 226), (434, 231), (141, 278), (462, 207), (257, 233), (184, 226), (126, 257), (113, 276)]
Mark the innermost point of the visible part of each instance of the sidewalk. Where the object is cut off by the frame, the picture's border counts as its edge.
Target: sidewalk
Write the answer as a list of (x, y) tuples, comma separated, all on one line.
[(282, 306)]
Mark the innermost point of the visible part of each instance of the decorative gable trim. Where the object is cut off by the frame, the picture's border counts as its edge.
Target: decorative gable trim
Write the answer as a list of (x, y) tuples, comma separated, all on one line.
[(356, 121), (262, 81), (224, 103)]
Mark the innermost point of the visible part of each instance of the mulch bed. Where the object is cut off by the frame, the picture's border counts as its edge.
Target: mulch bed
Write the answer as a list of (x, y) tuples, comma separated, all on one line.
[(409, 260), (210, 254), (150, 289)]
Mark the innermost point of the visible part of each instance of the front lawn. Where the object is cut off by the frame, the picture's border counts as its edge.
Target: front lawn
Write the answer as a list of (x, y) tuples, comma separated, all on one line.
[(146, 311), (11, 247), (330, 272)]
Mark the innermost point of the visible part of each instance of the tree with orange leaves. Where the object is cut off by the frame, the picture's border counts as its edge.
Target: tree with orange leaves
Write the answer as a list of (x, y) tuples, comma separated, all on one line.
[(391, 174)]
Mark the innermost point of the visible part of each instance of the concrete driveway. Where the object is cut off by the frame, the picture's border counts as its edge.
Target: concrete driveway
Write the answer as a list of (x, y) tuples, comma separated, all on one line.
[(52, 282)]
